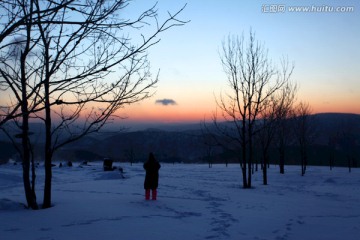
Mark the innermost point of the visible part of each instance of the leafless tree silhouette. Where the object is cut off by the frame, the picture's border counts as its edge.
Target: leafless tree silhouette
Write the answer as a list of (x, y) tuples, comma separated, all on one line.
[(283, 113), (253, 80), (304, 130), (75, 64)]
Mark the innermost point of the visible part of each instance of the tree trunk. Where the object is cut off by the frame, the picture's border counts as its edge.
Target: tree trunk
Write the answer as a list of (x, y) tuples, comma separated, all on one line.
[(302, 162), (250, 153), (265, 157), (303, 159), (48, 160), (302, 168), (48, 142), (48, 170), (243, 167), (29, 193), (331, 160), (282, 160), (249, 174), (244, 160), (33, 173)]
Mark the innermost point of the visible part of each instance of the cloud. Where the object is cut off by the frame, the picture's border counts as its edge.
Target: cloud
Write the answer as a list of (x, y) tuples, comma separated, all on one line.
[(165, 102)]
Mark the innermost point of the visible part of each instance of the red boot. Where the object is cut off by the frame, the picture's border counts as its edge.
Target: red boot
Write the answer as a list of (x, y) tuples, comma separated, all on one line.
[(154, 194), (147, 194)]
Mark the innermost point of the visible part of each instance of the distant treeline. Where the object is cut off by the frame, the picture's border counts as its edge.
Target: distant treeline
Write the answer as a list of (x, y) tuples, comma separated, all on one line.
[(318, 155), (337, 143)]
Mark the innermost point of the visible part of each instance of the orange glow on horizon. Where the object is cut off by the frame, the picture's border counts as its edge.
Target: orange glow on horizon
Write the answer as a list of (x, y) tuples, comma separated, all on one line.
[(167, 114), (195, 113), (174, 114), (322, 101), (335, 108)]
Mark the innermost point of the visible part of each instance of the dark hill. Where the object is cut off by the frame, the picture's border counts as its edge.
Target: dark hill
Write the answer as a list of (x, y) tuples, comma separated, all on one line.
[(168, 146), (186, 143)]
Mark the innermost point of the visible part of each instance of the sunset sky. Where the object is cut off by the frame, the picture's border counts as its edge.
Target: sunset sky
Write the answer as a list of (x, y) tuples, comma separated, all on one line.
[(323, 45)]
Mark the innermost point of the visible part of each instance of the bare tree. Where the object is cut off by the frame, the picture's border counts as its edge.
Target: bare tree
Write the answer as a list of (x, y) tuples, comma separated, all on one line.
[(253, 80), (269, 123), (130, 154), (264, 138), (81, 62), (266, 132), (209, 142), (16, 47), (304, 130), (283, 109)]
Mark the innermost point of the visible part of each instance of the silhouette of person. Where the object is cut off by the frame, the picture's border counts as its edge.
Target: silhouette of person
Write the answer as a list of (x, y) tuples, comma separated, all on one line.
[(152, 177)]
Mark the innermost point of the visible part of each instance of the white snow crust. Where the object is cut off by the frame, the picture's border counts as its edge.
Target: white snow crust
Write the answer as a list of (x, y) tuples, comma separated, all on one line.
[(194, 202)]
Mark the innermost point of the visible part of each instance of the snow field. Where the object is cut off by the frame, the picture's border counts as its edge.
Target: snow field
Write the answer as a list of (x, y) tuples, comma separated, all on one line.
[(194, 202)]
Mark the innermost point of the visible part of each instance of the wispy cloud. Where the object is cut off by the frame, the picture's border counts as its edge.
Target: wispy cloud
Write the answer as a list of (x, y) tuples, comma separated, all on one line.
[(165, 102)]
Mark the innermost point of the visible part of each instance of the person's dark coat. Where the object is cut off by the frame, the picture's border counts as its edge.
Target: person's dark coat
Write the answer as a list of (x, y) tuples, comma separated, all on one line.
[(152, 173)]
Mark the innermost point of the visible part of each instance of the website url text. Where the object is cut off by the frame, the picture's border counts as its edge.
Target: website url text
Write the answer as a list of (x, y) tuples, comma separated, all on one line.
[(282, 8)]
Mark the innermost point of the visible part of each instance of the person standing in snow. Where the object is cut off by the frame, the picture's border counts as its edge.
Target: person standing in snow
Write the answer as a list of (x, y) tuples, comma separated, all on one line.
[(152, 177)]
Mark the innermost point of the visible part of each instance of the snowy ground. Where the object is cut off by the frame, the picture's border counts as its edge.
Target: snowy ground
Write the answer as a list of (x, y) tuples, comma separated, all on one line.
[(194, 202)]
